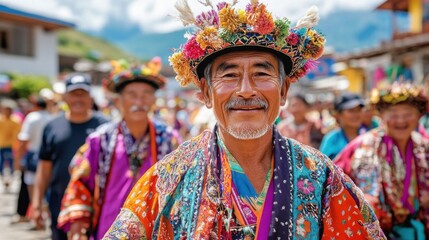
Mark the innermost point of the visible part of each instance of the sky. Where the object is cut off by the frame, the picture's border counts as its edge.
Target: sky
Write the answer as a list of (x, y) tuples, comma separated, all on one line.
[(159, 16)]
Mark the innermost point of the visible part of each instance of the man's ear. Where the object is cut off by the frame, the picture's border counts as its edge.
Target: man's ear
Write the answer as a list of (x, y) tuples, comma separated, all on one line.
[(117, 102), (283, 91), (205, 93)]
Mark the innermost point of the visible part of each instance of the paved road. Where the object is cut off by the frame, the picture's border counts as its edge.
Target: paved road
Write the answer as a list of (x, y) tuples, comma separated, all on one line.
[(20, 231)]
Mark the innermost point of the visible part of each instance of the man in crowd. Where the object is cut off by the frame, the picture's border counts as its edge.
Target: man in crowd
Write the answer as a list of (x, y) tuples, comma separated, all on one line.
[(243, 180), (115, 156), (348, 112), (29, 140), (61, 138), (9, 129)]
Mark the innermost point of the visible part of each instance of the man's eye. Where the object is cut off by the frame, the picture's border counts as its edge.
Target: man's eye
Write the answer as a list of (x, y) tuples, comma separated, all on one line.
[(261, 74), (229, 75)]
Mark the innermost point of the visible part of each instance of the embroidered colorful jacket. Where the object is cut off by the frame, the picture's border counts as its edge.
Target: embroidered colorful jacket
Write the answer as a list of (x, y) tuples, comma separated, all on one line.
[(187, 195), (101, 178), (396, 186)]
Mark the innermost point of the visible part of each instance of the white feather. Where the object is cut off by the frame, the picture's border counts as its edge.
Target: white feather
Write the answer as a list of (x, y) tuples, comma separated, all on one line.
[(310, 19), (185, 12), (254, 2), (206, 3)]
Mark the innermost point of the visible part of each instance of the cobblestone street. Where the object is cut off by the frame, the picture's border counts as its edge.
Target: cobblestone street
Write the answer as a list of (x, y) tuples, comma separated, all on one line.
[(21, 231)]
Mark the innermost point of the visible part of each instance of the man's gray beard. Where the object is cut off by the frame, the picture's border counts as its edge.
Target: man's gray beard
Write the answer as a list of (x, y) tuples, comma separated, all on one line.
[(244, 133)]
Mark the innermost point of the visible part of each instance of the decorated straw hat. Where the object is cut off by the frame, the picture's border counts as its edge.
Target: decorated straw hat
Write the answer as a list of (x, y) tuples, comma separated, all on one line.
[(224, 28), (398, 93), (122, 73)]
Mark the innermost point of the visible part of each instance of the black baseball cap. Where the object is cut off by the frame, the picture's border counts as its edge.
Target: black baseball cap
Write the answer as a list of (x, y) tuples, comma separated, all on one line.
[(78, 81), (348, 101)]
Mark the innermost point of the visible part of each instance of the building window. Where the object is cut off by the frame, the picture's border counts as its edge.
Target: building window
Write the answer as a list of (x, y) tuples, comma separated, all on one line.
[(4, 41), (16, 40)]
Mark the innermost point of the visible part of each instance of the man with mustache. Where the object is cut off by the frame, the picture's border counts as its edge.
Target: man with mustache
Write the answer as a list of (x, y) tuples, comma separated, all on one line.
[(115, 156), (61, 137), (243, 180)]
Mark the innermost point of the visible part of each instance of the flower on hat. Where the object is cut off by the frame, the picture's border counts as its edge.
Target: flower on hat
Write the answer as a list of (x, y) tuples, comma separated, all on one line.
[(209, 38), (181, 66), (221, 5), (388, 95), (282, 31), (264, 22), (242, 15), (192, 49), (228, 18), (123, 72), (206, 19), (292, 39)]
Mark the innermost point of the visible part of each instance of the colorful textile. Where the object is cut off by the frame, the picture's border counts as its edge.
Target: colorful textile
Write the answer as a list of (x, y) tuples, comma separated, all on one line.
[(101, 176), (396, 186), (188, 195)]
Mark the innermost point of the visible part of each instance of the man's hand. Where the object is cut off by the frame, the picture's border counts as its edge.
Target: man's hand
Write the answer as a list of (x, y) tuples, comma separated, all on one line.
[(37, 216), (78, 231)]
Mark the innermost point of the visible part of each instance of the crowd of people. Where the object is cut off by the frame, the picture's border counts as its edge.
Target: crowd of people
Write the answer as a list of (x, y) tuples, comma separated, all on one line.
[(251, 161)]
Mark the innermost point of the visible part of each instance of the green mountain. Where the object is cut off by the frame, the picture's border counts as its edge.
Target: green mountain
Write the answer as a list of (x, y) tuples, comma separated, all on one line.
[(78, 44)]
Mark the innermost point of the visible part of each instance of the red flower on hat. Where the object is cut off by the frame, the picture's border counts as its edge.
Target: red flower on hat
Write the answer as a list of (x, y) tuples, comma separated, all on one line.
[(192, 49), (292, 39)]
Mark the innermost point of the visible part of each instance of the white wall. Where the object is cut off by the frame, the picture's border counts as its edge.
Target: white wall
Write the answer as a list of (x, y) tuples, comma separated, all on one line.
[(44, 60), (418, 64)]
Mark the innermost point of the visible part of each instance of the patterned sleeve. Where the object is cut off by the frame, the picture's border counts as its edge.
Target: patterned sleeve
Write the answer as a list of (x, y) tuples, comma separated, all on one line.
[(77, 203), (137, 217), (346, 214)]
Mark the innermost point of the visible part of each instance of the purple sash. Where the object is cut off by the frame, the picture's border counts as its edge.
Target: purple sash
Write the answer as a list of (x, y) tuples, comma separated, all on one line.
[(264, 223)]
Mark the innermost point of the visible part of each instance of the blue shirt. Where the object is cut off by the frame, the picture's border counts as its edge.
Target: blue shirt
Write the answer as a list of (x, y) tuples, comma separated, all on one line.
[(333, 143)]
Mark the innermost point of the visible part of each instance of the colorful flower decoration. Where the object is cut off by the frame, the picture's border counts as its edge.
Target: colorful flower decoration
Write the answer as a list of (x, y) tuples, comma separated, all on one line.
[(123, 73), (224, 27), (388, 95)]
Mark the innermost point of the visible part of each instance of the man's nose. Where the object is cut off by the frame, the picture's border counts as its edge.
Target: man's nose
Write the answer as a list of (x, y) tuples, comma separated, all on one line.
[(246, 88)]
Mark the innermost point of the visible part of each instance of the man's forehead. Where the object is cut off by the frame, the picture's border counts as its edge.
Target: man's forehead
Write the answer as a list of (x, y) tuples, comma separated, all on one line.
[(253, 57)]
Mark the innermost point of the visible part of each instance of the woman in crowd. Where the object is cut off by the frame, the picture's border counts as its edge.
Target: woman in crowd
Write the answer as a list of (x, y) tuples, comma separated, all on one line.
[(390, 163)]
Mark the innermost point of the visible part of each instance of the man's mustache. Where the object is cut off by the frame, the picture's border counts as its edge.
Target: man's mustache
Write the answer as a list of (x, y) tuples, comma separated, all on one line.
[(135, 108), (243, 103)]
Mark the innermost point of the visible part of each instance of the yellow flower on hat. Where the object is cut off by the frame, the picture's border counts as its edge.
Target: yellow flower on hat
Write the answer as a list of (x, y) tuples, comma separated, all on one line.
[(181, 66), (146, 71), (209, 38), (387, 98), (229, 19), (242, 15)]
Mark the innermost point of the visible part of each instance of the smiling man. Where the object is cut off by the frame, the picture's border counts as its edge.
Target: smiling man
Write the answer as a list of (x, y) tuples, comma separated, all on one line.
[(61, 137), (243, 180), (390, 163), (114, 157)]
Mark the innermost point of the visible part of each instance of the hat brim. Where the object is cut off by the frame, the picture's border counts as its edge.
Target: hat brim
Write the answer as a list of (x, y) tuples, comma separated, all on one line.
[(151, 81), (351, 104), (287, 61), (74, 87)]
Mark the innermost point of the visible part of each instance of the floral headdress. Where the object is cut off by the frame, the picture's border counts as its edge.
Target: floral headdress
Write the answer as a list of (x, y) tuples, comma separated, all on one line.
[(223, 29), (397, 93), (123, 73)]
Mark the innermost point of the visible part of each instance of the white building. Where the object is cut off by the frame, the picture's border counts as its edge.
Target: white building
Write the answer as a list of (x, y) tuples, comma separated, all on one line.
[(28, 42)]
